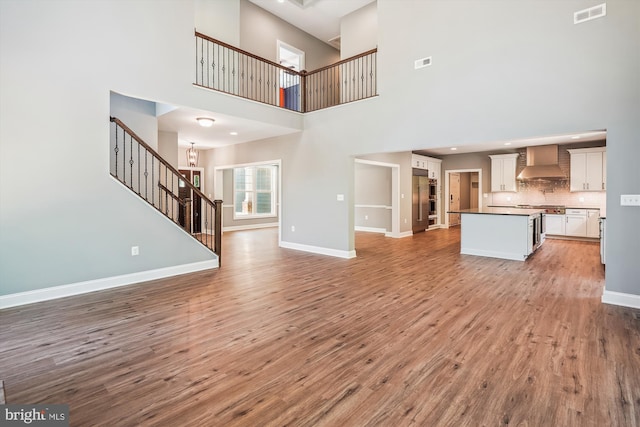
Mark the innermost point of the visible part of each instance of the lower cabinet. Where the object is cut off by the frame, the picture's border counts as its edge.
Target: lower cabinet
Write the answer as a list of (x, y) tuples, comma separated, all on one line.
[(593, 223), (576, 223), (554, 224)]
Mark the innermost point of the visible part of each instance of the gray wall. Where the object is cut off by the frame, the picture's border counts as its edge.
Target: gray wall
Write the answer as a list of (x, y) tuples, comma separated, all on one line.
[(168, 147), (372, 187), (260, 30), (501, 70)]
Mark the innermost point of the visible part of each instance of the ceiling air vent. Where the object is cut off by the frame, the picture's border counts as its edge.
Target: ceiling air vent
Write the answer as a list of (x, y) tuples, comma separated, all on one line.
[(588, 14), (424, 62)]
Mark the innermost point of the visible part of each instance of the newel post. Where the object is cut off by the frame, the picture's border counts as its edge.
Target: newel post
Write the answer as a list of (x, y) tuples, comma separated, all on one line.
[(217, 233)]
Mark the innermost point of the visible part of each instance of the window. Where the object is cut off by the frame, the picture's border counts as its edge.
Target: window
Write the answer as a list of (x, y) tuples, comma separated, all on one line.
[(254, 192)]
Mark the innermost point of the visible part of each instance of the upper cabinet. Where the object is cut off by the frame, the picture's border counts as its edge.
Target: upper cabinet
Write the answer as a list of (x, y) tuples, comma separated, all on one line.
[(503, 172), (429, 163), (588, 169)]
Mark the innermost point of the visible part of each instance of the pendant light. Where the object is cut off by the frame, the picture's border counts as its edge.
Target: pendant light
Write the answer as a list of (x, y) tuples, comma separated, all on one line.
[(192, 156)]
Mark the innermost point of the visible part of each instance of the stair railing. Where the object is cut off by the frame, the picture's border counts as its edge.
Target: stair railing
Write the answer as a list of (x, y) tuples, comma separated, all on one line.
[(140, 168)]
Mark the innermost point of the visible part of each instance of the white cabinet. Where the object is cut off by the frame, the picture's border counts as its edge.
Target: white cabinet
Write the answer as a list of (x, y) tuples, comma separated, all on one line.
[(427, 163), (433, 165), (593, 223), (576, 222), (503, 172), (554, 224), (588, 169)]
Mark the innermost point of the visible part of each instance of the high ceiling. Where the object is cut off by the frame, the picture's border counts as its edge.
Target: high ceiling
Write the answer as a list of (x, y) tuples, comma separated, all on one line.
[(320, 18)]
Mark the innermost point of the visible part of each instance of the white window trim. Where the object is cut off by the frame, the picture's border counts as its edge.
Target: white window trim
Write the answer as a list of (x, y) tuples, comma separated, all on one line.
[(274, 193)]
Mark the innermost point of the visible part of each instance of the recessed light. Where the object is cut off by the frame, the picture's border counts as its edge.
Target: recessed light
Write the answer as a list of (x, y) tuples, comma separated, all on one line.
[(453, 148), (233, 133), (280, 1), (507, 143), (205, 122), (575, 137)]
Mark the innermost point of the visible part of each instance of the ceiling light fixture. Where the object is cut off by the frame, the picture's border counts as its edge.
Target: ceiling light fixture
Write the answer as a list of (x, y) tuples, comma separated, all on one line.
[(453, 148), (233, 133), (507, 143), (205, 122), (575, 137), (192, 156)]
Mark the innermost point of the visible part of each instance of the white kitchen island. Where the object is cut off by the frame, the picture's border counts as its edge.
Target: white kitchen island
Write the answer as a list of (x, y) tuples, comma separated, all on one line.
[(499, 232)]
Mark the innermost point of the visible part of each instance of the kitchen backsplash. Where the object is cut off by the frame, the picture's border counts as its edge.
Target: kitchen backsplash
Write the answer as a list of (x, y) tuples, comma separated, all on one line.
[(548, 193)]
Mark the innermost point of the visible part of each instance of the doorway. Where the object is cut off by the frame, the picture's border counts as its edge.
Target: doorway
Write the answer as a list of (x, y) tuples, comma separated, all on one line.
[(463, 189), (454, 199), (293, 59), (189, 213)]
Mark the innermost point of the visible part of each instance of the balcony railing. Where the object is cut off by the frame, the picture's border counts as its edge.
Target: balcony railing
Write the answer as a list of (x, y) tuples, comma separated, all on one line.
[(225, 68)]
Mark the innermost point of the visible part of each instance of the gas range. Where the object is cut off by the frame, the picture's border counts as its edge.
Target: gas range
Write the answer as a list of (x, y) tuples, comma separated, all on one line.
[(549, 209)]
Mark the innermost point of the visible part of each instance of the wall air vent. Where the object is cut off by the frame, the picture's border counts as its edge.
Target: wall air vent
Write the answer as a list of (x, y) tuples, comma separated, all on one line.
[(424, 62), (588, 14)]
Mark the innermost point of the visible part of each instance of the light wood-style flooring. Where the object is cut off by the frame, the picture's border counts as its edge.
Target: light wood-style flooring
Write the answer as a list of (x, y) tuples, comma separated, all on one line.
[(408, 333)]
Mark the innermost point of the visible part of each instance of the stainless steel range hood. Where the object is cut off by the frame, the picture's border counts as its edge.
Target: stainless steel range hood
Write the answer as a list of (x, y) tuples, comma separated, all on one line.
[(542, 164)]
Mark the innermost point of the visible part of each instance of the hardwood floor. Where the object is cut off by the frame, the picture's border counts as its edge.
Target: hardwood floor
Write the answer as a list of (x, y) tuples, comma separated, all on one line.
[(409, 333)]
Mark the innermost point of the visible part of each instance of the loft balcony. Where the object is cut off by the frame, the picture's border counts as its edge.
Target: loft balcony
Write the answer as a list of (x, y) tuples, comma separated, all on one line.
[(225, 68)]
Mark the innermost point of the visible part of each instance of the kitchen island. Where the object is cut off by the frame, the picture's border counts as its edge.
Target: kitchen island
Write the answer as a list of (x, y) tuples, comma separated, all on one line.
[(500, 232)]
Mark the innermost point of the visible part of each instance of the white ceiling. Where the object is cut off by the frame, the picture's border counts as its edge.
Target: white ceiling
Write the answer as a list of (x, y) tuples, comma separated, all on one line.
[(568, 138), (183, 121), (320, 18)]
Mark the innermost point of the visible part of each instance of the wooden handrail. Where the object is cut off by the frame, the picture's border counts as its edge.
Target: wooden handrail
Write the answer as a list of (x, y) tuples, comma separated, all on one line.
[(156, 155), (343, 61), (249, 54), (300, 73)]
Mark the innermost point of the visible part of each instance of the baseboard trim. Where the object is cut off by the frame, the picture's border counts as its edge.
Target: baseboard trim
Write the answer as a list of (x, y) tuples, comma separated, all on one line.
[(250, 227), (620, 298), (318, 250), (370, 229), (492, 254), (39, 295)]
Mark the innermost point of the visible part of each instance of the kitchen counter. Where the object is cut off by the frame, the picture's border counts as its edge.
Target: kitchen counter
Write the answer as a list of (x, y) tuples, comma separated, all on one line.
[(495, 210), (506, 233)]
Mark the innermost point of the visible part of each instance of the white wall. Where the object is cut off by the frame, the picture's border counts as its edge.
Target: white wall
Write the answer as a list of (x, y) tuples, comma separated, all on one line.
[(359, 31), (219, 19)]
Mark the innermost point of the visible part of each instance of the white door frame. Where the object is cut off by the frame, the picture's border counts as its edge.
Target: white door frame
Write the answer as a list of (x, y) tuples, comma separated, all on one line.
[(446, 190), (395, 194), (218, 188)]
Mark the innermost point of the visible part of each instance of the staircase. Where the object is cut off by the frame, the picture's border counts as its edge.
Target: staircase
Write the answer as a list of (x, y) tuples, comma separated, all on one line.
[(142, 170)]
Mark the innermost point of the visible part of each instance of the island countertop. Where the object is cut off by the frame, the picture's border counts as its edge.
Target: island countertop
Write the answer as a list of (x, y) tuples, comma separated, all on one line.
[(499, 211)]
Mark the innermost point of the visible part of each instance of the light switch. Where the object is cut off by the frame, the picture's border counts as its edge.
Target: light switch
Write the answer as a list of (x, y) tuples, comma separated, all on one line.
[(630, 200), (340, 197)]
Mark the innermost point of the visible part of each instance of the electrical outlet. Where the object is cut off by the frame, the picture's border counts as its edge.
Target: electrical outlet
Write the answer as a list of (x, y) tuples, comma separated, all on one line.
[(135, 250), (405, 220), (630, 200), (293, 228), (366, 217), (340, 197)]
